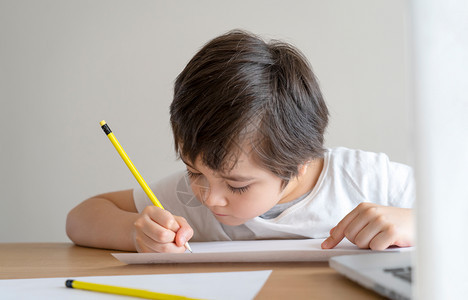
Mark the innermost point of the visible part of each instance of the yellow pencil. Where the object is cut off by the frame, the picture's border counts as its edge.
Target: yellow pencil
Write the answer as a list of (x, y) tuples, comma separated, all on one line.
[(109, 289), (132, 168)]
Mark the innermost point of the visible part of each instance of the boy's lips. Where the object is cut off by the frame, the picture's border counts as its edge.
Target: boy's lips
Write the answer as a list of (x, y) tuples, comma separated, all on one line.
[(220, 215)]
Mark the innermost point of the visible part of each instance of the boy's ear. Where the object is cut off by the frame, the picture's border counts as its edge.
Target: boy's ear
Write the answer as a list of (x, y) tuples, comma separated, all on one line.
[(302, 168)]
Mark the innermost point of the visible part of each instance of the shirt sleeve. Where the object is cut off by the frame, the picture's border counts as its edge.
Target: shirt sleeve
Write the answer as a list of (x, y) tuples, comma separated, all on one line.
[(141, 199), (166, 190), (401, 187)]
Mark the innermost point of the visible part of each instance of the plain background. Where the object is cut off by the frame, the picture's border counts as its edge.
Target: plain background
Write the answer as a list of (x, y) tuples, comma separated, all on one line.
[(66, 65)]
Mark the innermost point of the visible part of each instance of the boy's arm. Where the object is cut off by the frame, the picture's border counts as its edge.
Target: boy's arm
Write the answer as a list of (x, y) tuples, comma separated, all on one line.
[(104, 221), (112, 221), (374, 226)]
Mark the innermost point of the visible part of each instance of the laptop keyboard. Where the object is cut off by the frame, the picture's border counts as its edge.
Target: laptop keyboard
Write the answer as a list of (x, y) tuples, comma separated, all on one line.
[(403, 273)]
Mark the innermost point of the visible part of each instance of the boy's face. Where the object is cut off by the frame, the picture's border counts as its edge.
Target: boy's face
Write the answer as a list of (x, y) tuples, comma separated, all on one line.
[(246, 192)]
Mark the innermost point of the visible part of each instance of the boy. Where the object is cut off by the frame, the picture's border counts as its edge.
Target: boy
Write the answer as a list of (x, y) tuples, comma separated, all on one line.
[(248, 120)]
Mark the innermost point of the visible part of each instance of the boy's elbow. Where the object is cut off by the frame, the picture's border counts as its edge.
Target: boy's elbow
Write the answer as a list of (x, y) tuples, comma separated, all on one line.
[(74, 227), (77, 221), (70, 227)]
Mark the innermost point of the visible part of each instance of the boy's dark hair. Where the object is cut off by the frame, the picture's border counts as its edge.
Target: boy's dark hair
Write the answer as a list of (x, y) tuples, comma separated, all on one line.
[(239, 88)]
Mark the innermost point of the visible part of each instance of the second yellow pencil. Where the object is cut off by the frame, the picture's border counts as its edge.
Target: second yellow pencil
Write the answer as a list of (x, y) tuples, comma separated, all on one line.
[(117, 290)]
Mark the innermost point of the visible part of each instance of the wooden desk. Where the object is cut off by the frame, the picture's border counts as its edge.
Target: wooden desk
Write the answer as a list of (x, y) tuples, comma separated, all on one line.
[(311, 280)]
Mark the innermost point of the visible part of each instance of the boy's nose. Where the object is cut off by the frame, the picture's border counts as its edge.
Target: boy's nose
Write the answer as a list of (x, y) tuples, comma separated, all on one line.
[(213, 197), (210, 196)]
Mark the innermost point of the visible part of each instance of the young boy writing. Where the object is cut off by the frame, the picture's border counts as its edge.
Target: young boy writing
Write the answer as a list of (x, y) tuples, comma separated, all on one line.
[(248, 120)]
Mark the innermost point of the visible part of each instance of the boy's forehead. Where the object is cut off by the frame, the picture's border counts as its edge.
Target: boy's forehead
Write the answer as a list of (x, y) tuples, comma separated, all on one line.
[(237, 161)]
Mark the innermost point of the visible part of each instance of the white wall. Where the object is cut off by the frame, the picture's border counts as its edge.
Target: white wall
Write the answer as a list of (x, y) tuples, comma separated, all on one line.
[(66, 65)]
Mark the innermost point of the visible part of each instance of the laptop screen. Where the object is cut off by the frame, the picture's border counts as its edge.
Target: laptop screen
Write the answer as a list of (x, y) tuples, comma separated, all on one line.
[(440, 81)]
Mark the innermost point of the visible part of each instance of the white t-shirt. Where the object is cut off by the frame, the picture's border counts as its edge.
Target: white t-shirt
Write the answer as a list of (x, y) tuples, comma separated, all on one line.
[(348, 178)]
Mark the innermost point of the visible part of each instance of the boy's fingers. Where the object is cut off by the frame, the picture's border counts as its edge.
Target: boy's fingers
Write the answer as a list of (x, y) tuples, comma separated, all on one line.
[(184, 233), (366, 235), (157, 232), (163, 227), (356, 227), (332, 241), (146, 245), (381, 241), (337, 233), (163, 218)]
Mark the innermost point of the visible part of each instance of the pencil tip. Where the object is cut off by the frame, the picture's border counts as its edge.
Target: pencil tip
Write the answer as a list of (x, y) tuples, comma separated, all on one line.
[(187, 246)]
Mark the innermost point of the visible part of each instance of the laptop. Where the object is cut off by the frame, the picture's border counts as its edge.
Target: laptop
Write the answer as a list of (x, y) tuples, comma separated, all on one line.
[(387, 273), (440, 76)]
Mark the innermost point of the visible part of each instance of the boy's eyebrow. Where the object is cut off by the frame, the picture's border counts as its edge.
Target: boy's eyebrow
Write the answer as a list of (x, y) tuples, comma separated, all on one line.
[(237, 178), (229, 177), (187, 163)]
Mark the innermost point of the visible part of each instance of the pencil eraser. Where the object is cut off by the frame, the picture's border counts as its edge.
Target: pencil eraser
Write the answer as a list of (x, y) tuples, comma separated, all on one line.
[(69, 283), (103, 123)]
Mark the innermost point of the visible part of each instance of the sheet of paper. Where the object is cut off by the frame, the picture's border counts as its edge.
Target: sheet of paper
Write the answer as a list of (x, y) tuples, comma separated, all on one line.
[(223, 285), (249, 251)]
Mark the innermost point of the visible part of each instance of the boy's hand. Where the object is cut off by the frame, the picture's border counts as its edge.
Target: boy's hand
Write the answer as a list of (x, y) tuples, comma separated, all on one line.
[(157, 230), (374, 226)]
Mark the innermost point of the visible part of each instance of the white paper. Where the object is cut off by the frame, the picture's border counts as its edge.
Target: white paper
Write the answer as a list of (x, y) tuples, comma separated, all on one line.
[(249, 251), (222, 285)]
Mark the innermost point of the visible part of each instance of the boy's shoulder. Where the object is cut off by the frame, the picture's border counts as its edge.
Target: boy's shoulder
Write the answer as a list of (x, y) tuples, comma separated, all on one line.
[(356, 160), (347, 155), (371, 175)]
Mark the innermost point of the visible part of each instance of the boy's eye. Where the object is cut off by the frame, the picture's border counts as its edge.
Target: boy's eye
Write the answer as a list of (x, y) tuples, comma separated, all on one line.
[(236, 190), (239, 190), (192, 174)]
